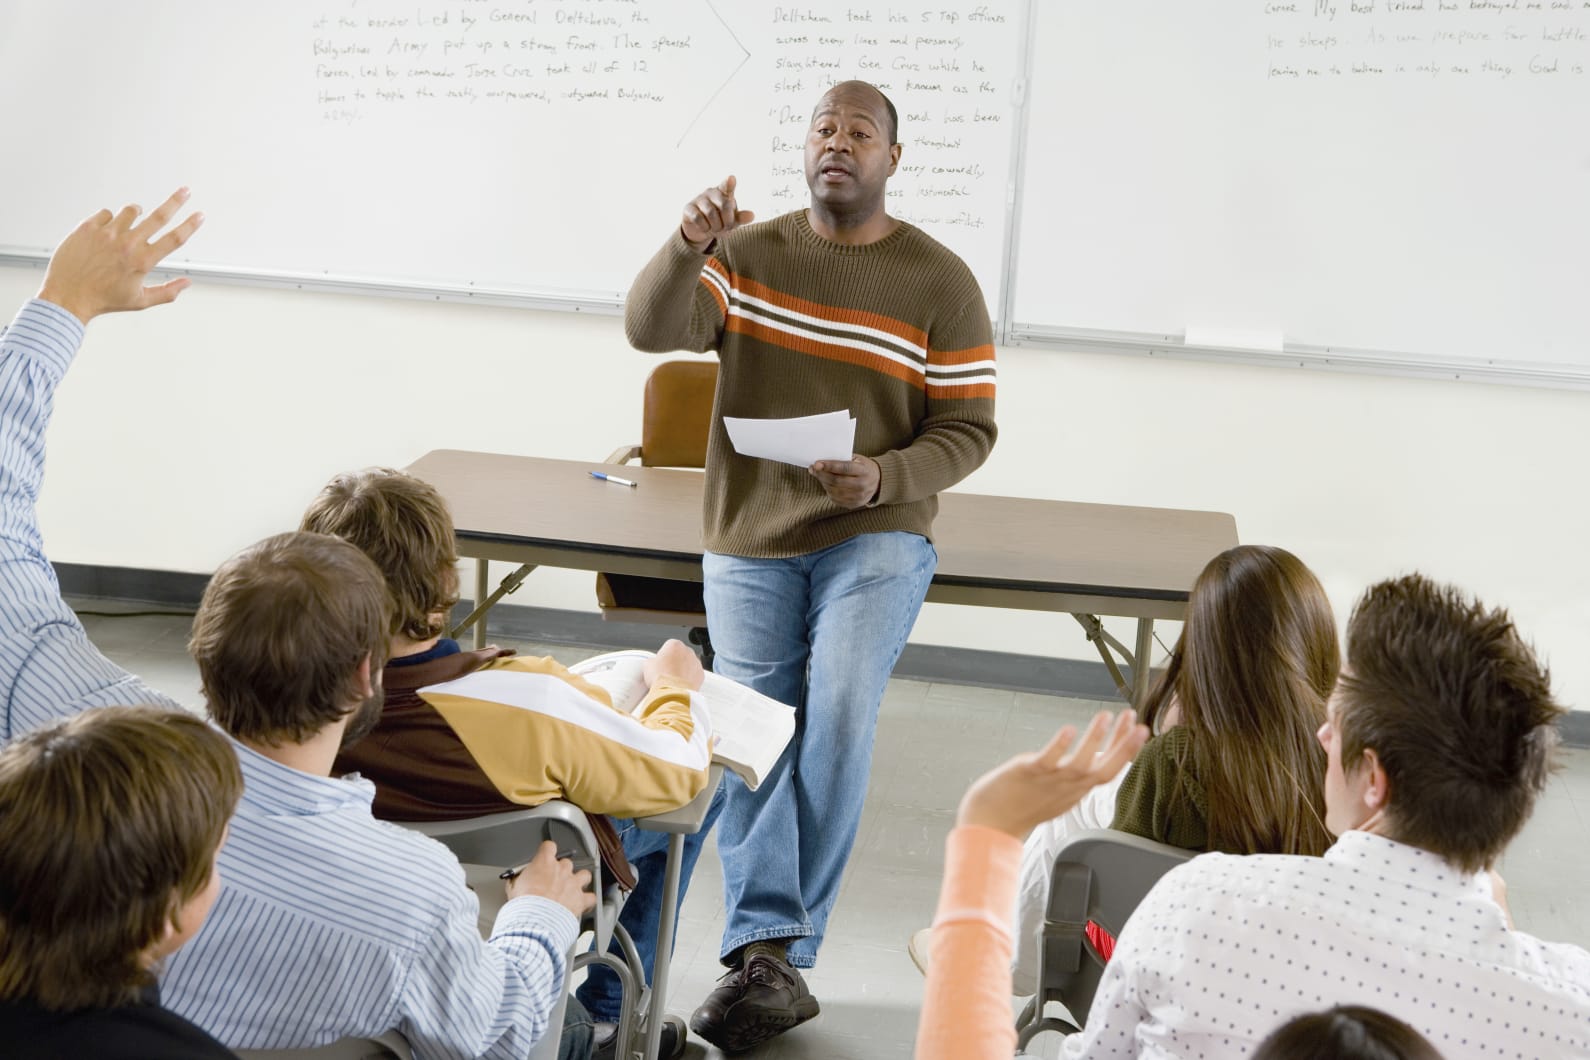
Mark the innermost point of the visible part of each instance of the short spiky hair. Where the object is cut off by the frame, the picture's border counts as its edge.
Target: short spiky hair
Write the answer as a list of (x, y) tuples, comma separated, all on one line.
[(1457, 709)]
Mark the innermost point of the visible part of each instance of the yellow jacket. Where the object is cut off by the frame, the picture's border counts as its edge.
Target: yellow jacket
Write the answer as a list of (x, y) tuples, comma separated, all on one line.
[(540, 732)]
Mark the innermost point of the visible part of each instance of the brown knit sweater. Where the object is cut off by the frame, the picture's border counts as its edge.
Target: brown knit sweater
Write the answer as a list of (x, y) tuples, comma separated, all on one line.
[(895, 331)]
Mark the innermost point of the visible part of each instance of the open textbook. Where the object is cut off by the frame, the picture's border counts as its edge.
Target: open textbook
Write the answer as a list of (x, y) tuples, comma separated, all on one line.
[(749, 730)]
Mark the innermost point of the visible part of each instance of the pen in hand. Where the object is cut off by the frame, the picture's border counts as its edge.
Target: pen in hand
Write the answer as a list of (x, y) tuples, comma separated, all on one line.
[(513, 873), (614, 478)]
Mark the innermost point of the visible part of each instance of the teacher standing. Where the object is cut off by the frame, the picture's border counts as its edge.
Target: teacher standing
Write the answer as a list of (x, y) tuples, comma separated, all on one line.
[(814, 576)]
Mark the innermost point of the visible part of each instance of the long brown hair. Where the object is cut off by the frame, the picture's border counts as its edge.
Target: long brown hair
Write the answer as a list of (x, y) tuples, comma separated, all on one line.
[(1251, 674), (111, 821)]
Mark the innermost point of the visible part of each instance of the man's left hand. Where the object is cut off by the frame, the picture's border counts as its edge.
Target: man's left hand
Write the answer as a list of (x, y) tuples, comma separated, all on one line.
[(850, 483)]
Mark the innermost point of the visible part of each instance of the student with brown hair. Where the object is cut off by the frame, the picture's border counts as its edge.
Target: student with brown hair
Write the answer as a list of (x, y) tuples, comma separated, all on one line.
[(290, 639), (1235, 765), (112, 822), (581, 749)]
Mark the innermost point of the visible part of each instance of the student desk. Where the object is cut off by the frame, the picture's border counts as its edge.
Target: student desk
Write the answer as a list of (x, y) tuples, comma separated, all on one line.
[(1041, 555)]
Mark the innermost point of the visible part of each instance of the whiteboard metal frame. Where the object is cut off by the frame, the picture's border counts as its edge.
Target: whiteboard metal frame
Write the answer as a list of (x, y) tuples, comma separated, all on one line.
[(1320, 358), (595, 302), (1003, 326)]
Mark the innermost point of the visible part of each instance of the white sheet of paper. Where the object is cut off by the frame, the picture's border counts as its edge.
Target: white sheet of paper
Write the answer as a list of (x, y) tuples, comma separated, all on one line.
[(800, 441)]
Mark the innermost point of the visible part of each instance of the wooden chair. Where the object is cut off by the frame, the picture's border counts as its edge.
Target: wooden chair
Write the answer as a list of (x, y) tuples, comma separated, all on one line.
[(675, 420), (1099, 875)]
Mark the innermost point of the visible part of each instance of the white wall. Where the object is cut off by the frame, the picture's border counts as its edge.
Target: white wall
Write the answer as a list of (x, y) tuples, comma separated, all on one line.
[(189, 431)]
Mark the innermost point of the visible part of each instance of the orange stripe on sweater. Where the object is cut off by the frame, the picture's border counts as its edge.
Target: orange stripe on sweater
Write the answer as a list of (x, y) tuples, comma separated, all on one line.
[(854, 317), (971, 354), (826, 350)]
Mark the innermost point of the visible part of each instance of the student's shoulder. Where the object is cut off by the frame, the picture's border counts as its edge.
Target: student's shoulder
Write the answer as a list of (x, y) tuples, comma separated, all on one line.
[(128, 1032), (1237, 874)]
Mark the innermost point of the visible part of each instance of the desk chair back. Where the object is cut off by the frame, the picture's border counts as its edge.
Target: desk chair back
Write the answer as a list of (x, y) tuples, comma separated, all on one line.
[(1099, 876), (512, 838), (676, 418)]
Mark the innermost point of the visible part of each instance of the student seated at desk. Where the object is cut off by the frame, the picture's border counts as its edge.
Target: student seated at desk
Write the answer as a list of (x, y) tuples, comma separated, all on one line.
[(329, 923), (570, 745), (1234, 766), (111, 822)]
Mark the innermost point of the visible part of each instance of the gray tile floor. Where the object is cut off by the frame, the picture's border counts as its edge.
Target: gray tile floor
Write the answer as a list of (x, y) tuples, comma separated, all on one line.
[(932, 740)]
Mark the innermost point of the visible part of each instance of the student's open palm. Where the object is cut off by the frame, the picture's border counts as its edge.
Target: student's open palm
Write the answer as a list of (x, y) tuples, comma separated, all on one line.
[(1031, 788)]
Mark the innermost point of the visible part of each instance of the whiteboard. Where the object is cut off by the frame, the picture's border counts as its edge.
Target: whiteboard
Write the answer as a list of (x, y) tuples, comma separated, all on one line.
[(1391, 181), (540, 149)]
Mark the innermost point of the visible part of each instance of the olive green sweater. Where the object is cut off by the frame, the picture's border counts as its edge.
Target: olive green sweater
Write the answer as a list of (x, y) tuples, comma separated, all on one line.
[(1162, 800), (895, 331)]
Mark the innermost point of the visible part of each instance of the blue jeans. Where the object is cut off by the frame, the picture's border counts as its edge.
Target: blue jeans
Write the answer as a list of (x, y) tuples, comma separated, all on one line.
[(820, 632), (577, 1036), (648, 855)]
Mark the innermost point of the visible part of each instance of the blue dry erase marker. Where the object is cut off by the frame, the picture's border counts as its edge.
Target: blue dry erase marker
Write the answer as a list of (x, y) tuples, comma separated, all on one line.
[(614, 478)]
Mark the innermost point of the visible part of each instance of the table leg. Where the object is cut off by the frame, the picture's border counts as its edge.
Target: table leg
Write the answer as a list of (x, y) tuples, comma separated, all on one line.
[(657, 1007), (482, 587), (1141, 660)]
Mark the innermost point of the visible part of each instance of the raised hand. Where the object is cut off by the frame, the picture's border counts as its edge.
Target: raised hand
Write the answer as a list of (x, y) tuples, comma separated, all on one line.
[(100, 267), (1032, 788), (712, 214)]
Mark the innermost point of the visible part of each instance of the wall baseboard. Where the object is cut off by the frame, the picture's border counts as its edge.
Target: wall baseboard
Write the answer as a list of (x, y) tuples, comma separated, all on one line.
[(922, 662)]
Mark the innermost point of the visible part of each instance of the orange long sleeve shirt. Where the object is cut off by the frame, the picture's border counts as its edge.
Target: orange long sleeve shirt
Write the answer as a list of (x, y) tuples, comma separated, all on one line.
[(966, 1007)]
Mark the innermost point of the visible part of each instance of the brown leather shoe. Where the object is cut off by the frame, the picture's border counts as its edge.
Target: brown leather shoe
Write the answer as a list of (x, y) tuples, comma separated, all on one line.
[(753, 1004)]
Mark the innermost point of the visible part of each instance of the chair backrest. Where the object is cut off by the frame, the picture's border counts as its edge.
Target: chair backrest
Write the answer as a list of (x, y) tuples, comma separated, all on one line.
[(677, 413), (389, 1046), (1100, 876), (510, 838)]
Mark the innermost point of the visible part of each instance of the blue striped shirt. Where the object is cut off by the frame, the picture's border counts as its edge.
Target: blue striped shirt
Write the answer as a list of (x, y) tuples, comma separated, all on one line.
[(329, 923), (48, 667)]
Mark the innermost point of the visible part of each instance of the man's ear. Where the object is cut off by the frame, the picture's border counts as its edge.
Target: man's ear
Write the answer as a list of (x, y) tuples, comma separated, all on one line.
[(362, 678), (1377, 786), (167, 942), (894, 158)]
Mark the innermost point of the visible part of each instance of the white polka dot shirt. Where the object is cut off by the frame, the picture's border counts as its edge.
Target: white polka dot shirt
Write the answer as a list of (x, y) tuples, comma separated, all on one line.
[(1225, 949)]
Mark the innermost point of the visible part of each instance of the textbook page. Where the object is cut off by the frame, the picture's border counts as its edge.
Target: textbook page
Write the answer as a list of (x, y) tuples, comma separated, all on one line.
[(749, 730)]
